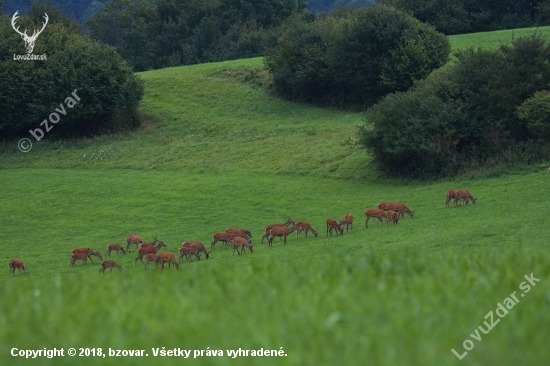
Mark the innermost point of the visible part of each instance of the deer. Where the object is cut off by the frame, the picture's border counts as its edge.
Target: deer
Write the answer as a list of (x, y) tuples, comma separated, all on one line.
[(198, 246), (148, 250), (88, 252), (29, 40), (167, 257), (186, 252), (392, 217), (223, 237), (77, 256), (332, 224), (395, 206), (239, 241), (348, 221), (132, 239), (109, 263), (114, 246), (151, 258), (465, 196), (269, 227), (304, 226), (151, 243), (378, 213), (449, 195), (281, 231), (240, 232), (17, 264)]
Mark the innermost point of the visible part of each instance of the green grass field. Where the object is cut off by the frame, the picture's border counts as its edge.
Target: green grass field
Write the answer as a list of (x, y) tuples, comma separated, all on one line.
[(218, 152)]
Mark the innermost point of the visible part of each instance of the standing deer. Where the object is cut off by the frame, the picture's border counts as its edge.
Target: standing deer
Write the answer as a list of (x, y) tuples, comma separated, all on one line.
[(151, 258), (465, 196), (109, 263), (76, 256), (186, 252), (269, 227), (377, 213), (167, 257), (348, 221), (132, 239), (151, 243), (29, 40), (239, 241), (88, 252), (198, 247), (224, 237), (281, 231), (148, 250), (333, 225), (449, 195), (304, 226), (17, 264), (397, 207), (392, 217), (114, 246)]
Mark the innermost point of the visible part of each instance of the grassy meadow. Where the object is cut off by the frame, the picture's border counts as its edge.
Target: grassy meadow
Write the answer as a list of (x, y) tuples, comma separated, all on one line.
[(218, 151)]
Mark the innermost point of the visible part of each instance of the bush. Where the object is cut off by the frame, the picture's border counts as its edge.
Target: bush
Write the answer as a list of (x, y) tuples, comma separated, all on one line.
[(31, 90)]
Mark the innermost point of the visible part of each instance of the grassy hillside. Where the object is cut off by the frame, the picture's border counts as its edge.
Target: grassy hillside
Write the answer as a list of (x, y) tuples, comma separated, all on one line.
[(217, 151)]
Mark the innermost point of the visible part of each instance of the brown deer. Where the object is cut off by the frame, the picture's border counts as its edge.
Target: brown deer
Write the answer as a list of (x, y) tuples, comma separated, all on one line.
[(240, 232), (151, 243), (224, 237), (148, 250), (76, 256), (465, 196), (280, 231), (109, 263), (17, 264), (114, 246), (199, 248), (449, 195), (187, 253), (304, 226), (167, 257), (151, 258), (396, 206), (392, 217), (377, 213), (348, 221), (239, 241), (89, 253), (268, 228), (333, 225), (132, 239)]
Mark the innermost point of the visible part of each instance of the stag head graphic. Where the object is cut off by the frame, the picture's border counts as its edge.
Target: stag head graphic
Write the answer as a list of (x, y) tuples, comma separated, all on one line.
[(29, 40)]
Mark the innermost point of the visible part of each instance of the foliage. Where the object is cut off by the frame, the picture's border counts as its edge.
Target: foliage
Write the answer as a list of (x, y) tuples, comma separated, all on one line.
[(353, 58), (535, 112), (465, 114), (31, 90)]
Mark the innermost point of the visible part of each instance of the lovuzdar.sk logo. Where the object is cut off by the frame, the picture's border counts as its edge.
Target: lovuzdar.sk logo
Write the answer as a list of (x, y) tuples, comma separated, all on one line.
[(29, 40)]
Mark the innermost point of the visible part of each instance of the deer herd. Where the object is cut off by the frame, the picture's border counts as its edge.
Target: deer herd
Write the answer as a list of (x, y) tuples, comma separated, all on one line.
[(241, 239)]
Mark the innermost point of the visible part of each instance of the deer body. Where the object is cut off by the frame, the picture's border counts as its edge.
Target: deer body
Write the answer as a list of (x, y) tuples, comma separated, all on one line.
[(17, 264), (148, 250), (377, 213), (333, 225), (114, 246), (109, 263)]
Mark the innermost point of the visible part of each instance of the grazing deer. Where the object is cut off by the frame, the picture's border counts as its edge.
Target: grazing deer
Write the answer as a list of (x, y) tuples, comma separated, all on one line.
[(186, 252), (151, 258), (114, 246), (397, 207), (333, 225), (148, 250), (17, 264), (239, 232), (239, 241), (378, 213), (268, 228), (132, 239), (77, 256), (109, 263), (224, 237), (199, 248), (348, 221), (151, 243), (392, 217), (304, 226), (29, 40), (280, 231), (465, 196), (89, 253), (449, 195), (167, 257)]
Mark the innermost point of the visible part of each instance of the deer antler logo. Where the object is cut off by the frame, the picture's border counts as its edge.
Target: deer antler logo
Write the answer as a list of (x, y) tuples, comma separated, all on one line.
[(29, 41)]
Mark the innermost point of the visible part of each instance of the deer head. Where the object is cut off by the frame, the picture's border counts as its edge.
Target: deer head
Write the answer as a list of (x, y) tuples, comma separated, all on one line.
[(29, 41)]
